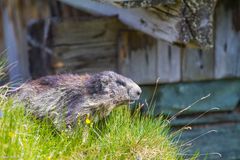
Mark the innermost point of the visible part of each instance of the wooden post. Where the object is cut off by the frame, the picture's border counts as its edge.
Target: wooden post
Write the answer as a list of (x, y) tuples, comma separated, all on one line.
[(16, 47)]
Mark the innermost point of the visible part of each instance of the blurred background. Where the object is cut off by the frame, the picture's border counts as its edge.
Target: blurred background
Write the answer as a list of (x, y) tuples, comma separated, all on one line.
[(178, 51)]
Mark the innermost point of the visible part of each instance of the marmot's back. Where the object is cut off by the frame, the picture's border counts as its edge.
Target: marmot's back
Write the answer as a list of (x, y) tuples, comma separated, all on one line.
[(56, 81), (67, 98)]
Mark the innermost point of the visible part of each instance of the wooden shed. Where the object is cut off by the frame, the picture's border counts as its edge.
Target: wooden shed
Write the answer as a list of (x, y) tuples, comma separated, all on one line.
[(185, 58)]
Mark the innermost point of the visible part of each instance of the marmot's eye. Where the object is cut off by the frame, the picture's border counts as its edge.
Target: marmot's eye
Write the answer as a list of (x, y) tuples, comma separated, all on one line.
[(120, 82)]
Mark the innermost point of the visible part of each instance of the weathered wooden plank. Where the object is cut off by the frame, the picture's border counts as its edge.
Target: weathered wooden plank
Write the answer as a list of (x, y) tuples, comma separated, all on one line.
[(222, 139), (151, 25), (17, 16), (17, 57), (32, 10), (88, 67), (92, 58), (137, 57), (137, 3), (172, 98), (91, 51), (168, 62), (197, 64), (227, 46), (86, 48), (210, 118), (2, 47), (192, 24), (39, 51), (81, 32)]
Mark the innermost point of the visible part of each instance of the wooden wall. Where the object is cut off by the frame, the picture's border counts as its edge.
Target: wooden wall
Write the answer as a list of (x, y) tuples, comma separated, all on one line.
[(212, 124), (79, 46), (85, 46), (16, 15), (170, 63), (2, 47), (227, 46), (137, 56), (163, 61), (117, 47), (129, 52)]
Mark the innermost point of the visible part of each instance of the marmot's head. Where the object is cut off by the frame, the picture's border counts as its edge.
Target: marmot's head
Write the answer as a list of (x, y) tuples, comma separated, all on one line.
[(117, 87)]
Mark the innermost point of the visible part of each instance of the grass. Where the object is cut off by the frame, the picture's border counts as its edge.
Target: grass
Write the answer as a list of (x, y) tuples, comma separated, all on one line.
[(121, 136)]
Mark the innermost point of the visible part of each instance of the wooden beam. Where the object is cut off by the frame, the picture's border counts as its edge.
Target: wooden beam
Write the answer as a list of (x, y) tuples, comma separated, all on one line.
[(185, 22), (16, 47), (16, 18), (136, 18), (2, 47), (137, 3)]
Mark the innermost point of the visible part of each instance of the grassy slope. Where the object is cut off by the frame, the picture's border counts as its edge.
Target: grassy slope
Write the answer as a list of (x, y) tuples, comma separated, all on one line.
[(121, 137)]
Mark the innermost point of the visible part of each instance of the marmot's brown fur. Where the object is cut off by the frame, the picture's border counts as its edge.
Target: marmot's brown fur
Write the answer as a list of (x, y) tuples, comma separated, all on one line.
[(68, 98)]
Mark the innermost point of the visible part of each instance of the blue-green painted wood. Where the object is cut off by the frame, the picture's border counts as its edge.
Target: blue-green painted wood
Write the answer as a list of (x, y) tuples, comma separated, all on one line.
[(216, 118), (172, 98), (225, 141), (220, 130)]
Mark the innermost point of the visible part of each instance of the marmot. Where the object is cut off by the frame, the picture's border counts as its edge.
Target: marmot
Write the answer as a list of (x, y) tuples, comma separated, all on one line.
[(68, 98)]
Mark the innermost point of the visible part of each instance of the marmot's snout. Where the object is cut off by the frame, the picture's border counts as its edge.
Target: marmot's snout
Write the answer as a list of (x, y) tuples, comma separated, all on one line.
[(135, 92)]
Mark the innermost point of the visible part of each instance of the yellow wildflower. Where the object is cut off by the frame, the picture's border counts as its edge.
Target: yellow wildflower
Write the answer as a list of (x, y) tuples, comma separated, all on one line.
[(88, 121)]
